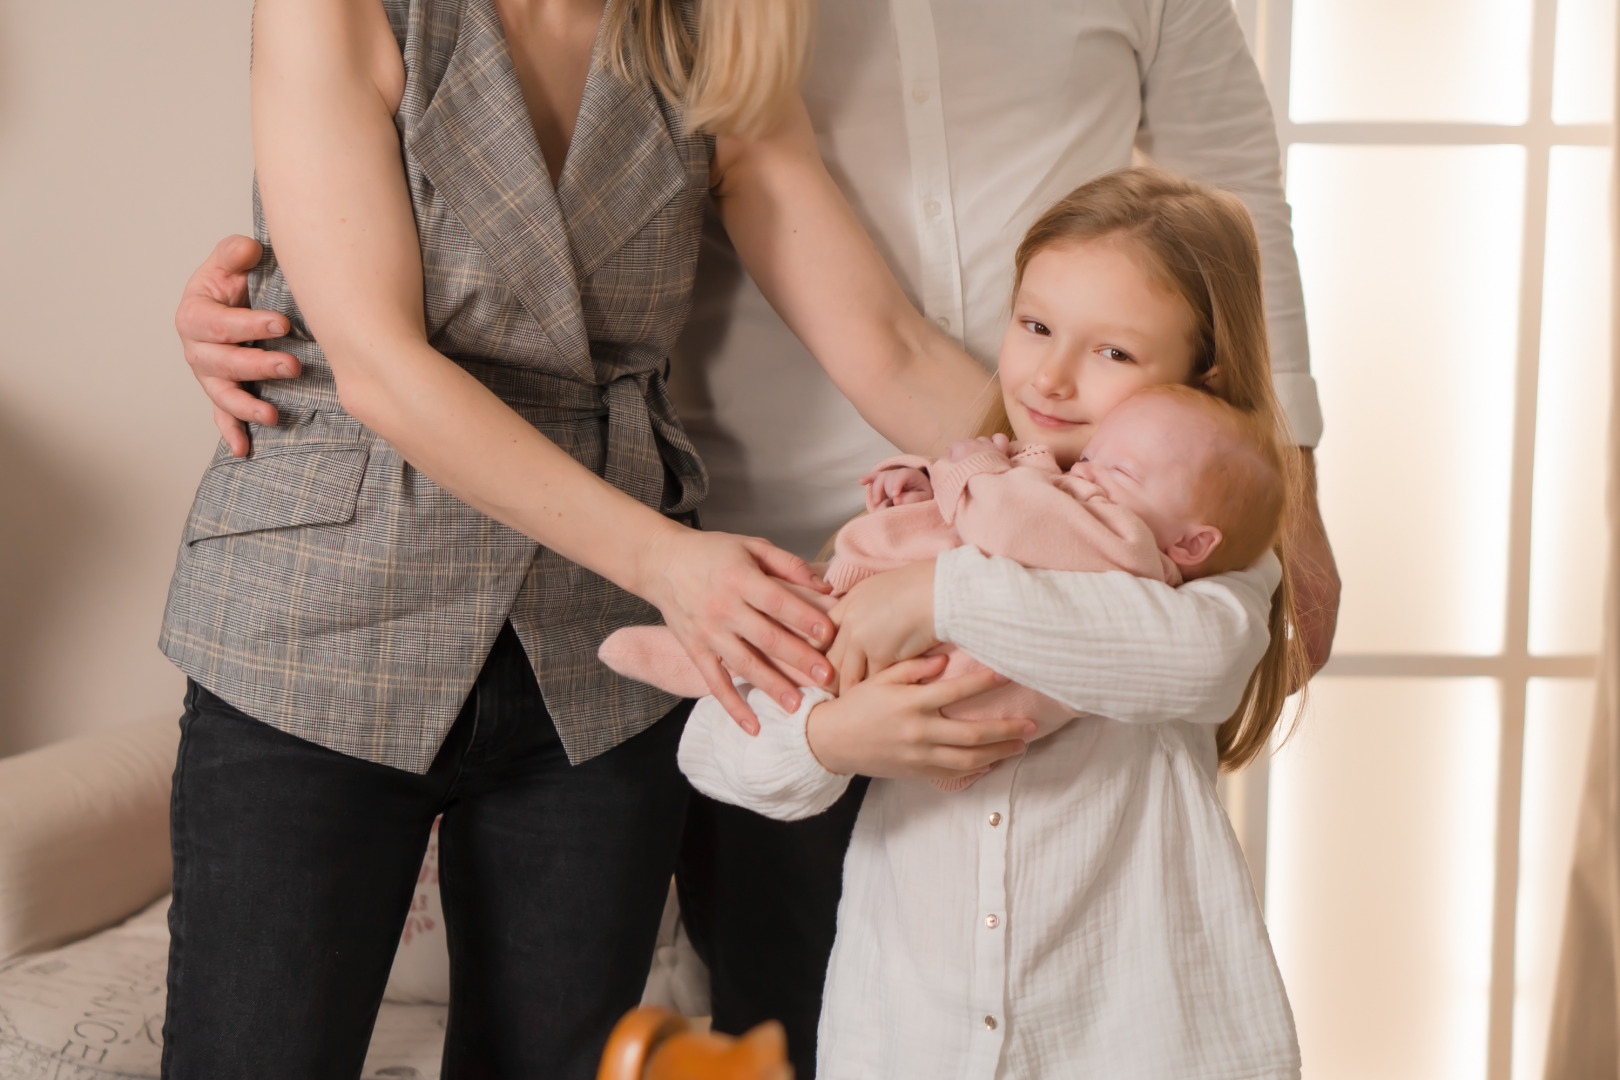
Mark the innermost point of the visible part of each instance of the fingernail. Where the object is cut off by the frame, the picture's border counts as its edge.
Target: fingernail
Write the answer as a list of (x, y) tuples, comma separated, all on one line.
[(790, 702), (275, 329), (822, 673), (283, 370)]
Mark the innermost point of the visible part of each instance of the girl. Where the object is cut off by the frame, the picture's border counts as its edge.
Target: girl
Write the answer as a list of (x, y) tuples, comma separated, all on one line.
[(1084, 909)]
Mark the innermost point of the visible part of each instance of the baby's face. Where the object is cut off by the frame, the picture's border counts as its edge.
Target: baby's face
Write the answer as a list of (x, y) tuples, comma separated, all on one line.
[(1146, 456), (1090, 327)]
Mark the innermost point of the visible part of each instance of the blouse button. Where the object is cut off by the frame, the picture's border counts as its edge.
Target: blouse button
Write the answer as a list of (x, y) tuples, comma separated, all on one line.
[(990, 1023), (991, 921), (995, 819)]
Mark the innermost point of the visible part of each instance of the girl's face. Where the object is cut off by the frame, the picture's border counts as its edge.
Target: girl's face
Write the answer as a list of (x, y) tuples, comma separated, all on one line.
[(1090, 327)]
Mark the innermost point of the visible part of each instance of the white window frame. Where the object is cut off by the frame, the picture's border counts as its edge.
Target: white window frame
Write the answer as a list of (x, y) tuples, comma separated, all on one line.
[(1268, 25)]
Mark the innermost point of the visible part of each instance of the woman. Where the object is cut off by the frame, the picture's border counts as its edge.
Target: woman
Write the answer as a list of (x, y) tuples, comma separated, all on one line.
[(388, 610)]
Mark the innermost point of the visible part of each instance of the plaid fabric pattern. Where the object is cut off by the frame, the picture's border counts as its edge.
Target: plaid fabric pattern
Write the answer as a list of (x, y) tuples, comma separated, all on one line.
[(324, 585)]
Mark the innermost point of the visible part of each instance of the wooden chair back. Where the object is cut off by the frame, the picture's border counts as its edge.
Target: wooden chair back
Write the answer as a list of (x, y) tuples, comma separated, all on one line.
[(655, 1044)]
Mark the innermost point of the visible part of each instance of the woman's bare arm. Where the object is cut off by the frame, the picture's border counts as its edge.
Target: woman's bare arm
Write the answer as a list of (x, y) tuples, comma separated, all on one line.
[(810, 257), (327, 75)]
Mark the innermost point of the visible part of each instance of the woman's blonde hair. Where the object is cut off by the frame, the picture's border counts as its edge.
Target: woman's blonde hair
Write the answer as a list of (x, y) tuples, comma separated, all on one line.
[(733, 73), (1201, 245)]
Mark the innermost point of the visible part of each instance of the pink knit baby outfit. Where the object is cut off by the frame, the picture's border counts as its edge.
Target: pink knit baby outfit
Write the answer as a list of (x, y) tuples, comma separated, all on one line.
[(1022, 507)]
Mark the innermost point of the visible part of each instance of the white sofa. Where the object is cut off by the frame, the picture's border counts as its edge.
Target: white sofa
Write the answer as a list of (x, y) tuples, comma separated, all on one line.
[(84, 877)]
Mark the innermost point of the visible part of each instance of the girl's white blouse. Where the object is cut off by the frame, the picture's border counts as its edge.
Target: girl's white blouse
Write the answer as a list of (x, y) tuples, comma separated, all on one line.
[(1083, 910)]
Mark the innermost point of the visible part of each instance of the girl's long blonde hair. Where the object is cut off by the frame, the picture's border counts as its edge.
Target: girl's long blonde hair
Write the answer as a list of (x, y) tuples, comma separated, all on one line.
[(733, 72), (1201, 245)]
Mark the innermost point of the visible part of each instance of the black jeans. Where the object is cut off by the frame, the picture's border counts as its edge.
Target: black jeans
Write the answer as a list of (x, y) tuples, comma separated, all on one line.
[(760, 902), (294, 867)]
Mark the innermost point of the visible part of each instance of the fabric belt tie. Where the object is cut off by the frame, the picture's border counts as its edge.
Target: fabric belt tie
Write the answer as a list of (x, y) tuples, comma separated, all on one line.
[(639, 412)]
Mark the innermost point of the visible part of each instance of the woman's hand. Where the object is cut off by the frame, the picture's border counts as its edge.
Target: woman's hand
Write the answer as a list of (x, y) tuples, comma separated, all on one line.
[(886, 618), (723, 597), (889, 726), (213, 321)]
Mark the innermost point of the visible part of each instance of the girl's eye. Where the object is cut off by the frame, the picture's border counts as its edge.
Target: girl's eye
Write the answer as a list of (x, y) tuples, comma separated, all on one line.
[(1117, 355), (1037, 328)]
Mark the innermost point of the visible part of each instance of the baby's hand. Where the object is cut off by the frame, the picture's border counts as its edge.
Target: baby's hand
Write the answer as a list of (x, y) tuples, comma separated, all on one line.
[(966, 448), (897, 487)]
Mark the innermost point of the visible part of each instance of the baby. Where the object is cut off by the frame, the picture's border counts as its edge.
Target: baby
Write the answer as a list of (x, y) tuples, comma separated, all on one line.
[(1174, 484)]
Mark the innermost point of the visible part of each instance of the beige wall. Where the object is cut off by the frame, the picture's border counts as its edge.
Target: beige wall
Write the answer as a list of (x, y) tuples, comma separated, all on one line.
[(124, 153)]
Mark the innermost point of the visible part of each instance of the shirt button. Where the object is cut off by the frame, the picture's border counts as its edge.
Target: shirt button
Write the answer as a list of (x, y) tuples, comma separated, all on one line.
[(995, 819), (920, 94), (944, 323), (931, 207), (991, 921), (990, 1022)]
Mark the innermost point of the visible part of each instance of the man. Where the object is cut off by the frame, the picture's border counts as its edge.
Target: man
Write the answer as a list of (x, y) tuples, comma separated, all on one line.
[(950, 125)]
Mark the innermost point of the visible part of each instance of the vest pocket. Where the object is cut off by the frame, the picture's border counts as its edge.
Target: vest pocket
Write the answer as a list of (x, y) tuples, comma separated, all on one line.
[(283, 486)]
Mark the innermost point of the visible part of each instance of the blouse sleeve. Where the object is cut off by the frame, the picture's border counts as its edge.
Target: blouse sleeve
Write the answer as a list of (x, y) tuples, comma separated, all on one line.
[(772, 773), (1110, 644), (1205, 115)]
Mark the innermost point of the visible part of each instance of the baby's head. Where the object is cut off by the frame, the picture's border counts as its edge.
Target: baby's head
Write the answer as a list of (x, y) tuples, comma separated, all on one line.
[(1135, 279), (1208, 479)]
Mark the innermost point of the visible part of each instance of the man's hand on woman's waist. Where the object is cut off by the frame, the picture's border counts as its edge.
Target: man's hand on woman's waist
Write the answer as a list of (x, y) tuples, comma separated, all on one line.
[(214, 321)]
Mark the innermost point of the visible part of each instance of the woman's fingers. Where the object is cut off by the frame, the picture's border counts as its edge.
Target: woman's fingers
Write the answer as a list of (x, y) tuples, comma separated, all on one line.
[(725, 692), (748, 663), (770, 611), (785, 565)]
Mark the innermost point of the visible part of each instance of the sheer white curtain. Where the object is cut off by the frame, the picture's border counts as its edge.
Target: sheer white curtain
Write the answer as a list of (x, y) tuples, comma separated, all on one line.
[(1584, 1042)]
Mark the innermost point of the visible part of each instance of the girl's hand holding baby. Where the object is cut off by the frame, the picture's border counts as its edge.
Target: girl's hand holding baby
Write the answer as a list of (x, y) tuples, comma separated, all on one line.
[(886, 618), (890, 728)]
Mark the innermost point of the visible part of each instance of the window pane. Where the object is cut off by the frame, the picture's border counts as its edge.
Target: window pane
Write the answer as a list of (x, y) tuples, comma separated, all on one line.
[(1583, 71), (1557, 725), (1410, 258), (1568, 532), (1380, 870), (1457, 60)]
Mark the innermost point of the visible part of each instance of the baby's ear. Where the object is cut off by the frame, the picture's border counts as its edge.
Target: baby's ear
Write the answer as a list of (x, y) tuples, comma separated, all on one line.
[(1195, 546)]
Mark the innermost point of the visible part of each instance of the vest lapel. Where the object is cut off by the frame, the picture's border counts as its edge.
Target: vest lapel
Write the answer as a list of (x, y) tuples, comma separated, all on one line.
[(477, 145), (622, 165)]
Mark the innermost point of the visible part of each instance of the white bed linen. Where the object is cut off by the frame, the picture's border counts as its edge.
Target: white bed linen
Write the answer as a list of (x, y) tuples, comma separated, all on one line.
[(93, 1010)]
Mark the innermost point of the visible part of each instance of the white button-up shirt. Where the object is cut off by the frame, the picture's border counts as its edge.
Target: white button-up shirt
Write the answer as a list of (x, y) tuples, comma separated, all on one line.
[(951, 125), (1082, 910)]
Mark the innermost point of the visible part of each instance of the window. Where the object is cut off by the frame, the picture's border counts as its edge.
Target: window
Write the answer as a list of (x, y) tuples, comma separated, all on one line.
[(1449, 167)]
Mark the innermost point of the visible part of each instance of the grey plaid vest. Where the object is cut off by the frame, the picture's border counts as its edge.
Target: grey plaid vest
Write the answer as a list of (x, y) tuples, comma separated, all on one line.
[(324, 585)]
